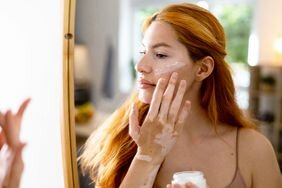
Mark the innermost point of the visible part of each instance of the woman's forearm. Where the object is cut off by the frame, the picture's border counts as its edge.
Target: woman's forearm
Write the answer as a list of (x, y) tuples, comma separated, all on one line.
[(141, 173)]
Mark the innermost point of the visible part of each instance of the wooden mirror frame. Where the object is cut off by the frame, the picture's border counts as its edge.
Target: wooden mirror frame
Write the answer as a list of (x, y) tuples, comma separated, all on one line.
[(68, 124)]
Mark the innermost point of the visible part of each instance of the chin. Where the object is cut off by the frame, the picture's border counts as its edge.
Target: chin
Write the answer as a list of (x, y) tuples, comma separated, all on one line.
[(145, 97)]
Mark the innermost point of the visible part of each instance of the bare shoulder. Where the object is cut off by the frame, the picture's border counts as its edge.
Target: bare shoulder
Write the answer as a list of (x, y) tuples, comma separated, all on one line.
[(259, 159), (254, 143), (253, 136)]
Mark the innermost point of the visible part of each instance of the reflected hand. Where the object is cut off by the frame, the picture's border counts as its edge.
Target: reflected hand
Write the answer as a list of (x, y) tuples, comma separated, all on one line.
[(164, 121), (11, 164)]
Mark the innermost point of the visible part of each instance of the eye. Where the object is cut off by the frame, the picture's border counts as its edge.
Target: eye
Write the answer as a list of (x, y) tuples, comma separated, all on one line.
[(142, 52), (161, 56)]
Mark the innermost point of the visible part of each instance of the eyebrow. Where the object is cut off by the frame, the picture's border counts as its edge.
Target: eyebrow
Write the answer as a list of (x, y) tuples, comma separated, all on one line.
[(161, 44)]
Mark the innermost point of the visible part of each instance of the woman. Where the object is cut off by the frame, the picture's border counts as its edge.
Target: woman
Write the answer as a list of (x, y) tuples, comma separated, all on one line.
[(11, 164), (183, 116)]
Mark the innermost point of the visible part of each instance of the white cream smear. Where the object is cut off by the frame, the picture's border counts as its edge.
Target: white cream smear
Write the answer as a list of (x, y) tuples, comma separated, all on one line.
[(165, 140), (169, 68), (144, 158)]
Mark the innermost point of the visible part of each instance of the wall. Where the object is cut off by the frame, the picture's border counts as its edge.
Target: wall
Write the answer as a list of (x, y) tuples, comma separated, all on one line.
[(267, 27), (97, 27)]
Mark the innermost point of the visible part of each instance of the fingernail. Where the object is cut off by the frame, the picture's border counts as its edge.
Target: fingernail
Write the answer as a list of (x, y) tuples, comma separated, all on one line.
[(161, 81), (23, 145), (8, 112), (183, 82), (174, 74), (188, 104)]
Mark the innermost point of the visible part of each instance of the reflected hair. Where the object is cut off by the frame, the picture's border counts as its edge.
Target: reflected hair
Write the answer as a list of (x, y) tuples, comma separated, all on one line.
[(109, 150)]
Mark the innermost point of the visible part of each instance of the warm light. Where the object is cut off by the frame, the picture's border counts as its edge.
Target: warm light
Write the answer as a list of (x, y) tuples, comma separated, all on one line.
[(253, 50), (278, 45), (81, 64), (203, 4), (278, 50)]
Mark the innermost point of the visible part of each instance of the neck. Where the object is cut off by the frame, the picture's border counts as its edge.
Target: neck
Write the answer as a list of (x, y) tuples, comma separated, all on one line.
[(197, 123)]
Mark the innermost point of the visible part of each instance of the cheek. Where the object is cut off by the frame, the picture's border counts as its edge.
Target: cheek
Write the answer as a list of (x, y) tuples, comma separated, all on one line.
[(185, 72), (168, 68), (190, 78), (165, 76)]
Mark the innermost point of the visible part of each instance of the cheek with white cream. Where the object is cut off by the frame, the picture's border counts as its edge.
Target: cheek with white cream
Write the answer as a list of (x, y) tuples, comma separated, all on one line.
[(169, 68), (163, 71)]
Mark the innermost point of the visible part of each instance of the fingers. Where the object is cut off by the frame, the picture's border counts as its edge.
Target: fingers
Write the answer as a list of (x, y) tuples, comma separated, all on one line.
[(164, 104), (186, 185), (2, 133), (2, 119), (156, 99), (183, 115), (23, 107), (134, 127), (19, 113), (174, 186), (176, 104), (7, 120), (190, 185), (167, 97), (11, 132)]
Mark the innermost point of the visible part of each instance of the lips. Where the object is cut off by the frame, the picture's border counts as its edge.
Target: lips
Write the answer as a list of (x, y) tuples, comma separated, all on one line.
[(145, 84)]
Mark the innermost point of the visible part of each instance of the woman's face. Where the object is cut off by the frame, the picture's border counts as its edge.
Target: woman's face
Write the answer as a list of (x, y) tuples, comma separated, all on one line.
[(162, 55)]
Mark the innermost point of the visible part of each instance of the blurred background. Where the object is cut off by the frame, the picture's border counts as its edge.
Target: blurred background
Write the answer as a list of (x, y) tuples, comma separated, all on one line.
[(108, 39)]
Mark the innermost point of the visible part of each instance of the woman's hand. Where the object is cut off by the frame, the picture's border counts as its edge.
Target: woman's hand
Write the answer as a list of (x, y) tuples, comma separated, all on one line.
[(11, 164), (186, 185), (164, 121)]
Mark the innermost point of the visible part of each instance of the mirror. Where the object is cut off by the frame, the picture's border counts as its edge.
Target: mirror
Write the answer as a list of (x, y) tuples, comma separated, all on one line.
[(32, 51), (107, 43)]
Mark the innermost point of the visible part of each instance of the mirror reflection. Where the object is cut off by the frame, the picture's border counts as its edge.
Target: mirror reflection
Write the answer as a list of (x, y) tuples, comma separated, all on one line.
[(31, 106), (112, 52)]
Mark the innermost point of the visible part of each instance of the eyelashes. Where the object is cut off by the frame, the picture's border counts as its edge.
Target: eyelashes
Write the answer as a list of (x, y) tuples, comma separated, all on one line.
[(161, 56), (156, 55)]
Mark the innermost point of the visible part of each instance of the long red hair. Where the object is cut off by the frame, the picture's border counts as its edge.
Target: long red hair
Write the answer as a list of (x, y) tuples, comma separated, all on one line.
[(109, 150)]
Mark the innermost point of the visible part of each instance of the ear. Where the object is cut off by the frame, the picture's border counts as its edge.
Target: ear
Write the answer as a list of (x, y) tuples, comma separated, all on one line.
[(204, 68)]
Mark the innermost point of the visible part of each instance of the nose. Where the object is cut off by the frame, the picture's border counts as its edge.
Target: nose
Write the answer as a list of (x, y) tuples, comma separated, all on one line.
[(143, 66)]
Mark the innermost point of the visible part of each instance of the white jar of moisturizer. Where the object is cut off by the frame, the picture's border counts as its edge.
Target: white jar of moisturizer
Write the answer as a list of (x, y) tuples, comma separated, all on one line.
[(195, 177)]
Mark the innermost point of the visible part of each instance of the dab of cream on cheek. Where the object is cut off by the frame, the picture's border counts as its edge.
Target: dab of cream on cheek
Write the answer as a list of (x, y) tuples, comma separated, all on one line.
[(169, 68)]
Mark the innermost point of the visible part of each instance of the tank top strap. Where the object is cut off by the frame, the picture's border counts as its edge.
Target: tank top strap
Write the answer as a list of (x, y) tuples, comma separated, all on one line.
[(237, 180), (236, 157), (237, 149)]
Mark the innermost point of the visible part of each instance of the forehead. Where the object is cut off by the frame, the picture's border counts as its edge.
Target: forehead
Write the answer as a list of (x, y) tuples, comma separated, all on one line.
[(160, 32)]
